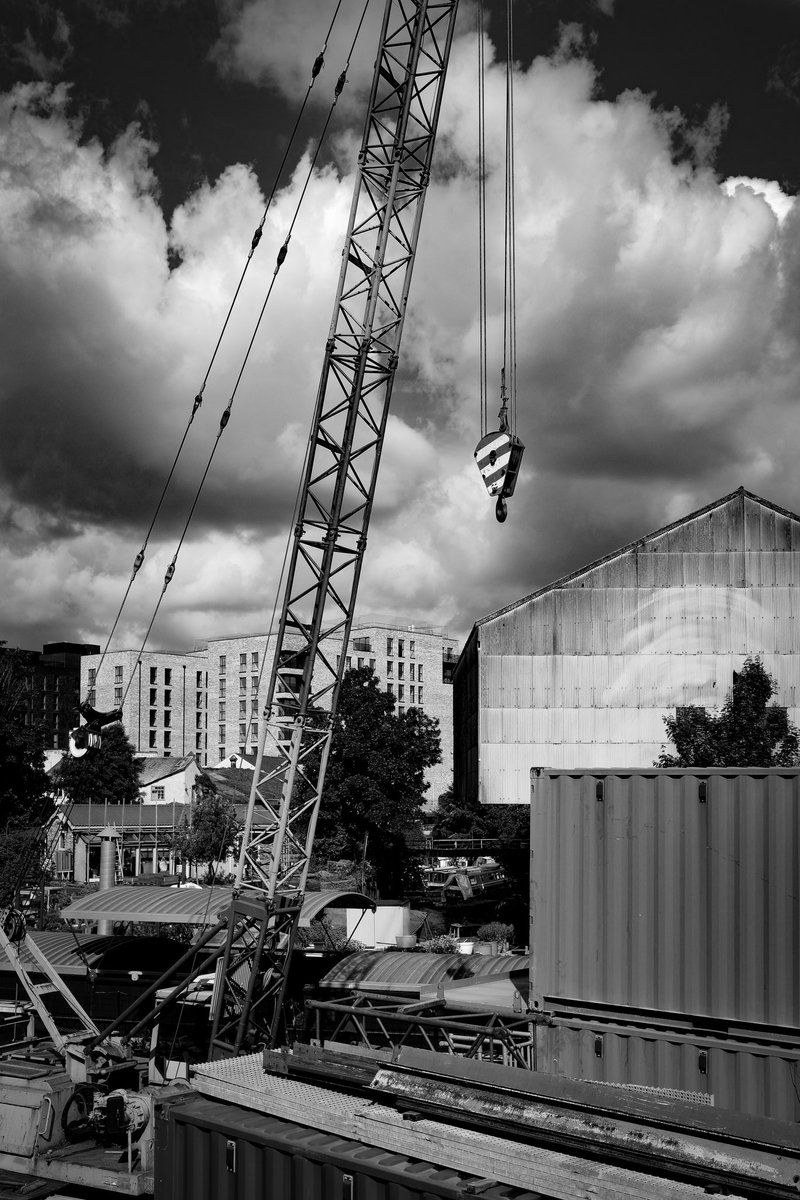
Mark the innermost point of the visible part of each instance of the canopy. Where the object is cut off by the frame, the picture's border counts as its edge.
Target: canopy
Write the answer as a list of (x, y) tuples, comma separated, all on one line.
[(188, 905)]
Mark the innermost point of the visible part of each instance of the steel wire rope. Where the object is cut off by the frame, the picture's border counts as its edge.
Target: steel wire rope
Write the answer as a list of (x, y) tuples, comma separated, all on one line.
[(226, 414), (482, 333), (319, 63), (508, 373)]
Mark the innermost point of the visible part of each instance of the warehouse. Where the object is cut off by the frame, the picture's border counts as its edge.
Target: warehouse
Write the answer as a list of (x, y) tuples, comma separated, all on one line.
[(581, 673)]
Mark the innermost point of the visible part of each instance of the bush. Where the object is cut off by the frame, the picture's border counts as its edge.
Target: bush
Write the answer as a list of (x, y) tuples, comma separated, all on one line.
[(443, 944), (496, 931)]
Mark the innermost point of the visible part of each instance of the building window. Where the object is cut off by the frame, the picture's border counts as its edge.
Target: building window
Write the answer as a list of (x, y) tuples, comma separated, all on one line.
[(241, 751), (254, 685), (412, 649), (401, 712), (411, 692), (167, 698), (92, 676), (400, 691), (254, 661), (390, 669), (372, 664), (154, 695), (153, 716), (221, 716), (117, 697), (419, 672), (242, 685), (198, 699), (157, 793), (223, 683), (92, 697), (168, 676), (390, 688), (253, 732), (254, 705), (167, 719), (220, 752), (167, 742), (222, 669), (198, 741), (360, 663), (242, 708), (242, 662), (153, 675), (348, 662), (400, 671), (221, 736), (254, 751), (117, 674), (152, 741), (400, 645), (419, 697), (242, 732), (198, 720), (363, 644), (199, 679), (389, 647)]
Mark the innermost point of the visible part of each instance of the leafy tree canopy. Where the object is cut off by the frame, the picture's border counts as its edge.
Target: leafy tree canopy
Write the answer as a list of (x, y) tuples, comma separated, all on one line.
[(375, 781), (747, 732), (509, 824), (108, 775), (24, 802), (213, 831)]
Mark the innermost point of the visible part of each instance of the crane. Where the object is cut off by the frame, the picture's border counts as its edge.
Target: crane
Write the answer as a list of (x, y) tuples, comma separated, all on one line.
[(335, 504)]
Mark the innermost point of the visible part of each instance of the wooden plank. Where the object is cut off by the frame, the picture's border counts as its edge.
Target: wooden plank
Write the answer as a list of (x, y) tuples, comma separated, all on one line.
[(558, 1175)]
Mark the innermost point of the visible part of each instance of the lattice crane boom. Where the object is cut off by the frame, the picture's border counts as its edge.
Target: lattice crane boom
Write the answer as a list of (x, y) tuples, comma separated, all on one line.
[(338, 488)]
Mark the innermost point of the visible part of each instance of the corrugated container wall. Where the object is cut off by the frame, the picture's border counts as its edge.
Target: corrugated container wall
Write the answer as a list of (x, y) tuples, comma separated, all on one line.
[(206, 1150), (583, 672), (665, 930)]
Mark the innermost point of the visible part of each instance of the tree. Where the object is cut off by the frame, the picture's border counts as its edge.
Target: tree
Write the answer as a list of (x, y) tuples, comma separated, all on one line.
[(25, 804), (748, 732), (507, 824), (108, 775), (213, 831), (375, 781)]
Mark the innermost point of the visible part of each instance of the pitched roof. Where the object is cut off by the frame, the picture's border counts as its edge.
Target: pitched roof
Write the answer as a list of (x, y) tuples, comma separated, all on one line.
[(638, 542), (155, 769)]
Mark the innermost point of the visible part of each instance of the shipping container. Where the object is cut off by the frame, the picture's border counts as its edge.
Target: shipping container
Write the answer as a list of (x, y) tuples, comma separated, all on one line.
[(207, 1150), (665, 931)]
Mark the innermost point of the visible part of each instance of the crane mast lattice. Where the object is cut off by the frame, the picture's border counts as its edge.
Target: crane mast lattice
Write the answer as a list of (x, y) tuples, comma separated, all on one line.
[(335, 504)]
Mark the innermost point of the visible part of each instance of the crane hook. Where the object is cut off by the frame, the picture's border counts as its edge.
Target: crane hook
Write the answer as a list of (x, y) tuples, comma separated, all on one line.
[(501, 509)]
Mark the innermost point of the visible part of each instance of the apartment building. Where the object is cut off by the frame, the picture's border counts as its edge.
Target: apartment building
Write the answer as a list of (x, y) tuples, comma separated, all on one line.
[(211, 702), (163, 698)]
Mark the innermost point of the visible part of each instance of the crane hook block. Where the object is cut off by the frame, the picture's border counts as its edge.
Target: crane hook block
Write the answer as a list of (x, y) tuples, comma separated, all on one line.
[(498, 456)]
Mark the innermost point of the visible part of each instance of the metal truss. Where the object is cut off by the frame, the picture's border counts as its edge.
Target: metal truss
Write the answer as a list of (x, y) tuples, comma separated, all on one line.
[(340, 473), (383, 1022)]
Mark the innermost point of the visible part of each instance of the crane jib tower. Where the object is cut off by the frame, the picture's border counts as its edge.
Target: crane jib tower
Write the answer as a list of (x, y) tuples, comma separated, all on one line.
[(334, 508)]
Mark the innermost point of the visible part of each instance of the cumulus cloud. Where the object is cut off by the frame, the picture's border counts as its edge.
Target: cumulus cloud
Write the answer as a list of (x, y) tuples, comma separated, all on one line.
[(658, 361)]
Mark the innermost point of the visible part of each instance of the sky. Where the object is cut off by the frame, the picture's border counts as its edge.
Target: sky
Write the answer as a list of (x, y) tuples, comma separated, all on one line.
[(658, 295)]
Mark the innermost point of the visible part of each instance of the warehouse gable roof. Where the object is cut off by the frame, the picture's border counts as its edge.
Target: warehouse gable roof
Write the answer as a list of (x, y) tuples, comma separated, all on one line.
[(740, 495)]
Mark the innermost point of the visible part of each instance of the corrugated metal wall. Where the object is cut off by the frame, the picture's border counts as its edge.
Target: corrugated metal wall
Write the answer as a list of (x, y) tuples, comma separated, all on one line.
[(211, 1151), (670, 900), (656, 898), (583, 674)]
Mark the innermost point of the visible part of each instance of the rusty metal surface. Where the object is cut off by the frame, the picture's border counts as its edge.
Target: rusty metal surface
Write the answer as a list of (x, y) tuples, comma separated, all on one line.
[(671, 891)]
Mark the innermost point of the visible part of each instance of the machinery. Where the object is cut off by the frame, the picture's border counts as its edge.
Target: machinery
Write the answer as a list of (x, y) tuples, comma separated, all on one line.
[(88, 1085)]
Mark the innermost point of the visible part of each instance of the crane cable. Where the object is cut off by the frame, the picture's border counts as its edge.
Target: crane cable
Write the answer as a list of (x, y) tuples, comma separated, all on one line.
[(318, 64), (484, 383), (226, 414), (509, 374), (508, 371)]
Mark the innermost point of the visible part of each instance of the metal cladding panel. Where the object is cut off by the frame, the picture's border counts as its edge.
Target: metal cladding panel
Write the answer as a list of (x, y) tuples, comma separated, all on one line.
[(734, 1076), (672, 891), (206, 1150)]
